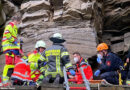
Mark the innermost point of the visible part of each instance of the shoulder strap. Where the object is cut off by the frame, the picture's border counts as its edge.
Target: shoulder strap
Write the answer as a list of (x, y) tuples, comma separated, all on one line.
[(83, 62)]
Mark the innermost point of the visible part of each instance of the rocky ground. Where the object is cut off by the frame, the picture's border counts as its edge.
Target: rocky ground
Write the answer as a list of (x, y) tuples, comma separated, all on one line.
[(83, 23)]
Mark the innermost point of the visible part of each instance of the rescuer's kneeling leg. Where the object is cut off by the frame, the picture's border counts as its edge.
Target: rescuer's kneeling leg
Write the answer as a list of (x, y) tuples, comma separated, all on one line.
[(7, 72)]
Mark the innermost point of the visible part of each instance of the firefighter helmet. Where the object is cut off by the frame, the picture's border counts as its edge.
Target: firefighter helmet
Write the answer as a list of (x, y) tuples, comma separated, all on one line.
[(40, 43)]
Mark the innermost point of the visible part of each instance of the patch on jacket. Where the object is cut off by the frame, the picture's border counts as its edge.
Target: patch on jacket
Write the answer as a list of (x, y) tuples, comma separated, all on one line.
[(108, 63)]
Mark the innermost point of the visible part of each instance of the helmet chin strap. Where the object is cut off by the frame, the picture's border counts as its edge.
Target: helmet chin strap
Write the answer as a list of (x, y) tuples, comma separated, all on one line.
[(38, 49), (104, 52)]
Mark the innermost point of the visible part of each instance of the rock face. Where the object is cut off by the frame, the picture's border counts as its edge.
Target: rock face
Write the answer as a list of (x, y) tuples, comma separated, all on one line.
[(117, 24), (2, 15), (9, 8), (74, 19)]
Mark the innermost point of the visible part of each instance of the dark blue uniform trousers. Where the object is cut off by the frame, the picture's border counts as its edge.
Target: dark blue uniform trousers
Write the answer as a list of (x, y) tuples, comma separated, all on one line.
[(111, 77)]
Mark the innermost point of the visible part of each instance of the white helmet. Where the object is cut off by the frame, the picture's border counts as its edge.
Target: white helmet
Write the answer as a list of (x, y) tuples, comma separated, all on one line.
[(40, 43), (57, 38), (57, 35)]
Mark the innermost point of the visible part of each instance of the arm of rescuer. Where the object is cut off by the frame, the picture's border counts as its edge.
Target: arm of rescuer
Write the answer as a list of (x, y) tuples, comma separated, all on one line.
[(42, 63), (7, 34), (87, 69), (112, 63), (66, 61), (32, 61)]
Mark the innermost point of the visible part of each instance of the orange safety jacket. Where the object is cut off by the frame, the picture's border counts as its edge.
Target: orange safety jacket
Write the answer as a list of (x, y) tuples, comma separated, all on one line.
[(87, 71), (22, 71)]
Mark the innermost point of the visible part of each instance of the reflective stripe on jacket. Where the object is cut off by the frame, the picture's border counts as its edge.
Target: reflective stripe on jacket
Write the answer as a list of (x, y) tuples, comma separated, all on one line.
[(86, 69), (9, 36), (33, 60), (22, 71)]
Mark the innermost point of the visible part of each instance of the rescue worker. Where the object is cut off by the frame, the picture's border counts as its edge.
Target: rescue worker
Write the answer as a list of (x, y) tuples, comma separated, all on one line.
[(10, 46), (36, 74), (57, 56), (110, 65), (80, 62)]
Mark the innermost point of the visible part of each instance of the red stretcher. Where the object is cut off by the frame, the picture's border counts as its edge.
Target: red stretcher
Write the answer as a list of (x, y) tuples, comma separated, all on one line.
[(86, 82)]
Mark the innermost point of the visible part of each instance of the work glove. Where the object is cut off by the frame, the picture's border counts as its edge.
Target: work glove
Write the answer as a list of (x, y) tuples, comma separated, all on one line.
[(32, 83), (99, 60), (15, 42), (44, 63), (99, 57), (97, 73), (41, 63), (72, 72)]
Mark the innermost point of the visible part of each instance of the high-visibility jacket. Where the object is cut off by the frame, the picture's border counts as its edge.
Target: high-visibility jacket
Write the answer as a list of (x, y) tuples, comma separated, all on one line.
[(22, 71), (86, 69), (33, 60), (57, 56), (9, 36)]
